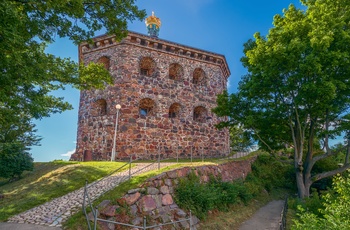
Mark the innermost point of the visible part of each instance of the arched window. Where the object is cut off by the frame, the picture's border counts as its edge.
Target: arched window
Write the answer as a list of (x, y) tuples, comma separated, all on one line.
[(99, 107), (146, 107), (175, 72), (200, 114), (147, 66), (198, 76), (105, 61), (174, 110)]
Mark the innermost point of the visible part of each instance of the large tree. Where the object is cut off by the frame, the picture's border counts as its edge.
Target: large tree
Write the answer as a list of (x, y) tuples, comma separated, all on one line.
[(297, 90), (28, 74)]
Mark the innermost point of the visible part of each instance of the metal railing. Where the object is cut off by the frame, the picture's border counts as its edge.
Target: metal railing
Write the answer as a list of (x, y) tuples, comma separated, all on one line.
[(199, 155), (88, 202), (143, 227), (283, 221)]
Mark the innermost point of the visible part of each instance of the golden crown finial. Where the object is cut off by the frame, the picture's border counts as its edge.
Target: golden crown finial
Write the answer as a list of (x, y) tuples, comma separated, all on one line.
[(153, 20)]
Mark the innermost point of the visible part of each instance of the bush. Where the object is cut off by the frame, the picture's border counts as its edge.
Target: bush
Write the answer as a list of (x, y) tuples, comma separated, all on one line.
[(200, 198), (14, 160), (335, 214), (269, 173)]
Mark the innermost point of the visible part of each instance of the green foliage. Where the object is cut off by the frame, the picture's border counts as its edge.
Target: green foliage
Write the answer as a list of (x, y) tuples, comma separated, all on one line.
[(269, 173), (240, 140), (297, 85), (14, 160), (200, 198), (29, 75), (335, 211)]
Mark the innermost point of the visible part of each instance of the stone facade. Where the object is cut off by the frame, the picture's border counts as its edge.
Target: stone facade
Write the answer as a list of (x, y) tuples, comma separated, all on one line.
[(166, 92)]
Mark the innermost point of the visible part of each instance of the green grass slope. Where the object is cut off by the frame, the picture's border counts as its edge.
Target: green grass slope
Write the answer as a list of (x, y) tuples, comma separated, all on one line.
[(47, 181)]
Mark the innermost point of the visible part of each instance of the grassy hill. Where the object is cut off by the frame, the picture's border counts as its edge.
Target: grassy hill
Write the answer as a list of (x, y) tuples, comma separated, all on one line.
[(47, 181)]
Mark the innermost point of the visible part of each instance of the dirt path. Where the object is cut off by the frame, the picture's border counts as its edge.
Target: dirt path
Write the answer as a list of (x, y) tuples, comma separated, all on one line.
[(266, 218)]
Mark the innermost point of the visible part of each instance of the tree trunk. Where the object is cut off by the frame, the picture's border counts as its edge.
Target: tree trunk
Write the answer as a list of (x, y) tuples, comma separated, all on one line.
[(300, 183), (303, 184)]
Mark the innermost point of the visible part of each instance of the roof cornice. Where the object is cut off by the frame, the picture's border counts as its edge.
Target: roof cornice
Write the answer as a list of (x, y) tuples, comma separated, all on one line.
[(141, 40)]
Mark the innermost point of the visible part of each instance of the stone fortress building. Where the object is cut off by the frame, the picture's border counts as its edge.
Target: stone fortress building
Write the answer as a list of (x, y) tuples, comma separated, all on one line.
[(166, 92)]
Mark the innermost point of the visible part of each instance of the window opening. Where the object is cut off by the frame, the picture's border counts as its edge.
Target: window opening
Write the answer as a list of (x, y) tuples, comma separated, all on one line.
[(147, 66), (174, 110), (175, 71), (199, 114), (146, 107), (198, 76)]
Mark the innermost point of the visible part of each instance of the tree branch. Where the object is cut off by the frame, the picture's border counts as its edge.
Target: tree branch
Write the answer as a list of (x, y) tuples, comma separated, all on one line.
[(330, 173), (267, 145)]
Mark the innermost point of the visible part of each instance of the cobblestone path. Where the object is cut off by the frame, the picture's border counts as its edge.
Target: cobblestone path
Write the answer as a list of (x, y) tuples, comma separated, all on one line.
[(55, 212)]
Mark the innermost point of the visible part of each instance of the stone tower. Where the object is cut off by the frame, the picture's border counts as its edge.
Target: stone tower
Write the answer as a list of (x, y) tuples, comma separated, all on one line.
[(166, 92)]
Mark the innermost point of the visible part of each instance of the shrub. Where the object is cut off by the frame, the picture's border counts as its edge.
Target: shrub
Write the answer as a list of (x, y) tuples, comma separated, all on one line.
[(200, 198), (14, 160), (335, 214), (269, 173)]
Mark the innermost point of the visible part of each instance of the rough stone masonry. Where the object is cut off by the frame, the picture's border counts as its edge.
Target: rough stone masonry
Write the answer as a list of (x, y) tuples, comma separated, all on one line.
[(166, 92), (155, 198)]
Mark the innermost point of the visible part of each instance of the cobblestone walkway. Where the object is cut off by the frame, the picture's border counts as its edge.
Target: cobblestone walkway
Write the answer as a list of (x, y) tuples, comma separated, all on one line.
[(55, 212)]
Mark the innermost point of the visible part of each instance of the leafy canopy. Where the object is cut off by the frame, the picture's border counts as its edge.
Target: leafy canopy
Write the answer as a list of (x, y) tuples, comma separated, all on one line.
[(28, 74), (297, 89)]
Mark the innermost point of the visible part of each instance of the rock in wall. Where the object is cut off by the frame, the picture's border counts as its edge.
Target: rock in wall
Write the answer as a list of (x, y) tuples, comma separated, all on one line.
[(155, 200)]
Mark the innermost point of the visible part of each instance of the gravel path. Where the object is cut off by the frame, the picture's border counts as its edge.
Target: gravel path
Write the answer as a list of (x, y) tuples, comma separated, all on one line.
[(55, 212), (266, 218)]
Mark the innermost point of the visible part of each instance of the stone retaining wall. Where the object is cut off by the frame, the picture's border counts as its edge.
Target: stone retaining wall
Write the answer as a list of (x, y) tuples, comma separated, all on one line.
[(154, 198)]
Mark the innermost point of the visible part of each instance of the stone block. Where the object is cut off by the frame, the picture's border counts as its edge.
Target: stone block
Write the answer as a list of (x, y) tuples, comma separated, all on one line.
[(172, 174), (133, 210), (147, 203), (167, 199), (106, 225), (109, 210), (132, 191), (165, 218), (137, 221), (132, 198), (152, 191), (168, 182), (103, 204), (181, 213), (164, 189), (158, 200)]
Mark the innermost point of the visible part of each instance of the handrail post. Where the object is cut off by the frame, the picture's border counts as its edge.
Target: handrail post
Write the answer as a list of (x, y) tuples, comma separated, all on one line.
[(177, 154), (202, 155), (159, 158), (130, 167), (190, 219), (95, 218), (144, 222), (85, 187), (191, 153)]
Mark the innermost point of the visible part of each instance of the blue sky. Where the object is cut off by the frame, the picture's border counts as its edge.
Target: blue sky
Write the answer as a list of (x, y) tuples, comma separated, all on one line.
[(220, 26)]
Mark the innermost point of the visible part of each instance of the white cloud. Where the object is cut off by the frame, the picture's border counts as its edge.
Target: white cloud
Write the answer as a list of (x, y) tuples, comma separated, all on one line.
[(68, 154), (228, 84)]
